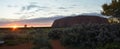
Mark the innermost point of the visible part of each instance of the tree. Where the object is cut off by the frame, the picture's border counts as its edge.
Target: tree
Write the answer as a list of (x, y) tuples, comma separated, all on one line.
[(112, 9), (25, 26)]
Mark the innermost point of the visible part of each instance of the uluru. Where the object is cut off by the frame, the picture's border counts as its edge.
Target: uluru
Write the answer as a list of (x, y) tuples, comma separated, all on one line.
[(79, 19)]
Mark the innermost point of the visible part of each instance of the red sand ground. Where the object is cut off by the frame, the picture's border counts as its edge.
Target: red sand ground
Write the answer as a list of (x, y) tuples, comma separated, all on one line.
[(20, 46), (56, 44)]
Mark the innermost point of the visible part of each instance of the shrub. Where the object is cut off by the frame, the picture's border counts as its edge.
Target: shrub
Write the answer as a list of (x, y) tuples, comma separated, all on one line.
[(40, 40), (55, 34), (41, 43), (113, 45), (87, 35), (11, 42)]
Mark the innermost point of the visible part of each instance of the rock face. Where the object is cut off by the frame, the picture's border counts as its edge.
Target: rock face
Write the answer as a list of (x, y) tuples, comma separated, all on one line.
[(80, 19)]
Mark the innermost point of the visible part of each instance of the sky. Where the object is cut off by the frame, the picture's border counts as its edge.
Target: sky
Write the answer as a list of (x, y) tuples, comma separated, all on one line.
[(43, 12)]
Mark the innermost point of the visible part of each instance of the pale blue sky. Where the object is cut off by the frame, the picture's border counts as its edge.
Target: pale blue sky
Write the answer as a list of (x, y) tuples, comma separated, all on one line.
[(29, 9), (16, 9)]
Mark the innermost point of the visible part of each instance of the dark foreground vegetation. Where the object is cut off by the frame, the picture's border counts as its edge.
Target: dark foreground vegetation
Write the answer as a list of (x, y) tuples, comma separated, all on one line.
[(88, 36), (84, 36)]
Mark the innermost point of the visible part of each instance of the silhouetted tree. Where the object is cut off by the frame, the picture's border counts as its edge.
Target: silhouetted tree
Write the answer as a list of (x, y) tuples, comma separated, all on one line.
[(112, 9), (25, 26)]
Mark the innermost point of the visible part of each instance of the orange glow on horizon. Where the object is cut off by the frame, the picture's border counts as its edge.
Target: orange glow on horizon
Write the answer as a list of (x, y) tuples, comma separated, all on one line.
[(20, 25), (14, 27)]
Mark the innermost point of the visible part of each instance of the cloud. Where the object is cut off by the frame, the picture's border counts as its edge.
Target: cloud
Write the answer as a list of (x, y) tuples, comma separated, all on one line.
[(33, 6), (74, 5), (40, 20), (62, 8), (6, 21), (65, 7), (33, 2), (95, 14), (12, 6), (29, 7), (32, 22), (23, 8), (29, 10)]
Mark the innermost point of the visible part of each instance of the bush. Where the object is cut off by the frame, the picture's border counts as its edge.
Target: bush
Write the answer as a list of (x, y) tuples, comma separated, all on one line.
[(41, 43), (110, 46), (55, 34), (11, 42), (88, 36), (40, 40)]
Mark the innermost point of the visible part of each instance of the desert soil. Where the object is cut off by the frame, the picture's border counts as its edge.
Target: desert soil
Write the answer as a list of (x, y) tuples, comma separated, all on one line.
[(57, 45), (20, 46)]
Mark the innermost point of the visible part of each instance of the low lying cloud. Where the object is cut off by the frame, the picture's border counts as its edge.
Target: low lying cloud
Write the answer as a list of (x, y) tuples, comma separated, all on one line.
[(41, 22)]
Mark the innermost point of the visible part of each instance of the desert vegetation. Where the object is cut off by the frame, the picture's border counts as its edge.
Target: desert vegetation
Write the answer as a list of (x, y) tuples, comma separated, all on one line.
[(82, 36), (88, 36), (40, 39), (85, 31), (12, 38)]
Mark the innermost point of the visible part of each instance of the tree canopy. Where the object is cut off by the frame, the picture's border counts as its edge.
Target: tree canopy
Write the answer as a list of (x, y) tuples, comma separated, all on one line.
[(112, 9)]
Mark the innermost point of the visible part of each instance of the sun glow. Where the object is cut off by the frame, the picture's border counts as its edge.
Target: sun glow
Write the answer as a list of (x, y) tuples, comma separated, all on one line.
[(14, 27)]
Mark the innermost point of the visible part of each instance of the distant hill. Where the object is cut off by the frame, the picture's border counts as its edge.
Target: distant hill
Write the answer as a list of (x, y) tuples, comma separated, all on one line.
[(79, 19)]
